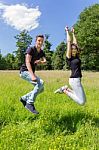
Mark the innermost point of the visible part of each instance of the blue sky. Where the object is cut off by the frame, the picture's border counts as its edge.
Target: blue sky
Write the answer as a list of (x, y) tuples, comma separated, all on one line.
[(38, 17)]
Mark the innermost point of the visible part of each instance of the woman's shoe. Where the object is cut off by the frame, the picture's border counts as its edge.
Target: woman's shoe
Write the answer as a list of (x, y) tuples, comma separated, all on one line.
[(61, 90)]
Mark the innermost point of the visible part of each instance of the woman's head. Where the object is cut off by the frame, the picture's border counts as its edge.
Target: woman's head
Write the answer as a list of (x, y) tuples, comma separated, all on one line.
[(74, 50)]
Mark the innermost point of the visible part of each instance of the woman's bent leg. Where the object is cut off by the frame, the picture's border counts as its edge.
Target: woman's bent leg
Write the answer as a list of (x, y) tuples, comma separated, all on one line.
[(77, 93)]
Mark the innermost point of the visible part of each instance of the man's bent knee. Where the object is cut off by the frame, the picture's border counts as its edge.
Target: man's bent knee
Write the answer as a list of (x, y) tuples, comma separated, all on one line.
[(41, 82)]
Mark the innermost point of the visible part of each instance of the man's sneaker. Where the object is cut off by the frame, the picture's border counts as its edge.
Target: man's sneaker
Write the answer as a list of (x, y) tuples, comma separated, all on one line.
[(60, 90), (31, 108), (23, 102)]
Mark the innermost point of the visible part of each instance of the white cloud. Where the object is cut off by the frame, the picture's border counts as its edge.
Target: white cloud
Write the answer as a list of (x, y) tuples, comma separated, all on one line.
[(20, 16)]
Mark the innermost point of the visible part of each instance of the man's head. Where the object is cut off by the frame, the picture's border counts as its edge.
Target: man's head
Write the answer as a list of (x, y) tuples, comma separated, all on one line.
[(39, 41)]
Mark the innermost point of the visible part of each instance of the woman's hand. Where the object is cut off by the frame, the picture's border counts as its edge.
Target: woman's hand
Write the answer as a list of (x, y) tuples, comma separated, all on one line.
[(72, 29), (66, 28)]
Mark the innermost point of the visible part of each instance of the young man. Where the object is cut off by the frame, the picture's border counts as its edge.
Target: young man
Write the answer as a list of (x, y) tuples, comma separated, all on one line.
[(34, 56)]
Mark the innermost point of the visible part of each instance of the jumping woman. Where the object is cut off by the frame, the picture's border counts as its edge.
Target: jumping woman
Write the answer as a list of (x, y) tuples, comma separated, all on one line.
[(74, 62)]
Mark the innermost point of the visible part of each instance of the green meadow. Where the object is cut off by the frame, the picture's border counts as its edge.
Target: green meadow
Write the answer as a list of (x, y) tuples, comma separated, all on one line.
[(61, 125)]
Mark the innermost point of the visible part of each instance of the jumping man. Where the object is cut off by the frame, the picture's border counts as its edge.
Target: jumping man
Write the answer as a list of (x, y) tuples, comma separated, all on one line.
[(34, 56)]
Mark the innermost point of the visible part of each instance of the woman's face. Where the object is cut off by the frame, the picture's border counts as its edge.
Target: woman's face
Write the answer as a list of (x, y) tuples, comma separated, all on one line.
[(74, 50)]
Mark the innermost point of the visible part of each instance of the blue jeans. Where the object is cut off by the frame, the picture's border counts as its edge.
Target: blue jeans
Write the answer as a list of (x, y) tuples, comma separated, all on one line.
[(38, 87)]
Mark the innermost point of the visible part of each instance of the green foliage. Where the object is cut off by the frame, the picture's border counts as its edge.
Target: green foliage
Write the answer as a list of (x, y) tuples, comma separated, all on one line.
[(10, 61), (58, 57), (2, 63), (23, 42), (61, 125), (48, 53), (87, 32), (87, 28)]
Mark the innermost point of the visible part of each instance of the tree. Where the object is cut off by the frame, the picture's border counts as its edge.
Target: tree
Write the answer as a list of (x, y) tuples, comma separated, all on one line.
[(59, 56), (24, 40), (10, 61), (48, 53), (2, 63), (87, 30)]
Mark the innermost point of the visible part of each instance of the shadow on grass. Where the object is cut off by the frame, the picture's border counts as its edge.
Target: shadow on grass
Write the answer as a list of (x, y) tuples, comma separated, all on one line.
[(70, 123), (2, 124), (32, 118), (11, 116)]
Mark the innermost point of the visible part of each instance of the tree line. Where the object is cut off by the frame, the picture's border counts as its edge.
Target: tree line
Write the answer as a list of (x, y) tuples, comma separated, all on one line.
[(87, 32)]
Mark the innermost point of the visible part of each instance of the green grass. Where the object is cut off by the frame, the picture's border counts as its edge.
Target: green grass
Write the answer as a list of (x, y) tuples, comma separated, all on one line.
[(61, 125)]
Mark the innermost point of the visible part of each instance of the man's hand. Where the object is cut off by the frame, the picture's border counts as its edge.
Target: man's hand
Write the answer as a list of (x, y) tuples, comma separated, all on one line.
[(37, 62), (43, 61), (34, 78), (40, 61)]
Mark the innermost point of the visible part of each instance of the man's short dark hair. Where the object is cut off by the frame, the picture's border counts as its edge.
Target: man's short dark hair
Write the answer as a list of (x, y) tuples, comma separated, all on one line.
[(40, 35)]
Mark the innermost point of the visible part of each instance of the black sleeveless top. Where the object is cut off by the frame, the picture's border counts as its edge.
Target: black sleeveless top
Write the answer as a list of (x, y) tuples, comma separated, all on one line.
[(75, 66)]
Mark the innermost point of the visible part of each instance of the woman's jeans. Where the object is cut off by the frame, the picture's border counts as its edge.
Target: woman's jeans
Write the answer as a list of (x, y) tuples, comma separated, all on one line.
[(38, 87), (77, 93)]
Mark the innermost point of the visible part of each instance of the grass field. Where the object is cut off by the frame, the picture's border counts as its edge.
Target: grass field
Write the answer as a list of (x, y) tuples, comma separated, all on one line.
[(61, 125)]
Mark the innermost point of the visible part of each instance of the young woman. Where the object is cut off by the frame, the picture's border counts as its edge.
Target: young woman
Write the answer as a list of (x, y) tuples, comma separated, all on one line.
[(34, 56), (74, 62)]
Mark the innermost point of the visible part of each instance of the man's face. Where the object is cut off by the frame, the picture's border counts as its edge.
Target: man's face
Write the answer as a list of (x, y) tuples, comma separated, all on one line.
[(39, 42)]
